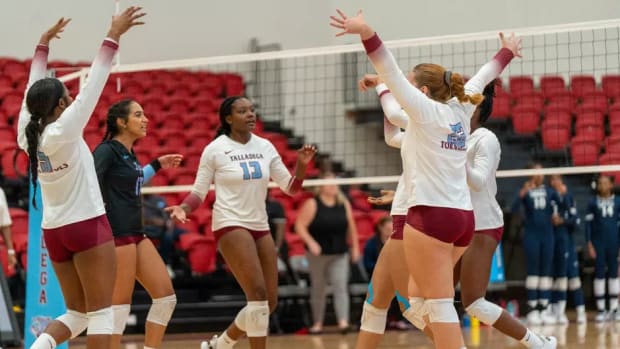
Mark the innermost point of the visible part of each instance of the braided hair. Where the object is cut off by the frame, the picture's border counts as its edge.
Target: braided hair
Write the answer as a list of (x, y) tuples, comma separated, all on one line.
[(41, 100), (118, 110), (225, 110)]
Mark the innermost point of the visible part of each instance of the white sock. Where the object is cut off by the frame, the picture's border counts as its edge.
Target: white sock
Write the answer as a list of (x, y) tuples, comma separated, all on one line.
[(531, 340), (225, 342), (561, 307), (44, 341), (581, 309), (532, 304), (614, 288)]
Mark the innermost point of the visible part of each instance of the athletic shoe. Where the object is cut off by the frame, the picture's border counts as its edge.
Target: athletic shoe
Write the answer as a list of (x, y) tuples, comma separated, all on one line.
[(582, 317), (601, 316), (549, 342), (533, 318), (547, 317), (209, 344)]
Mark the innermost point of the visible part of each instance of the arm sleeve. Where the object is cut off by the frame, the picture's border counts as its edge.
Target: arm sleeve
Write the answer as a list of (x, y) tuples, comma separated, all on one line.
[(281, 175), (393, 135), (392, 110), (589, 219), (417, 105), (104, 159), (489, 72), (150, 170), (72, 121), (37, 72), (204, 176), (483, 168)]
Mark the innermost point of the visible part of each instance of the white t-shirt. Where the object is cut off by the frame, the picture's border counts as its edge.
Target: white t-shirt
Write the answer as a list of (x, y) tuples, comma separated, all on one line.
[(67, 177), (241, 175), (435, 141), (483, 155), (5, 217)]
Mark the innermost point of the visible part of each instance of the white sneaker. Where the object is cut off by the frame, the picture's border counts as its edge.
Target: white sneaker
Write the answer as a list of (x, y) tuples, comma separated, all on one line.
[(548, 318), (601, 316), (549, 342), (582, 317), (616, 316), (210, 343), (533, 318)]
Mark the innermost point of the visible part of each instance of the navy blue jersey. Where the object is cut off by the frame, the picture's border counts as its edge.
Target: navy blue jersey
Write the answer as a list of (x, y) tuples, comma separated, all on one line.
[(567, 210), (539, 205), (602, 219)]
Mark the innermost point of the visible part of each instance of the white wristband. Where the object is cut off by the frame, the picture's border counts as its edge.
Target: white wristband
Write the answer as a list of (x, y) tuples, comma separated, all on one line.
[(381, 88), (10, 251)]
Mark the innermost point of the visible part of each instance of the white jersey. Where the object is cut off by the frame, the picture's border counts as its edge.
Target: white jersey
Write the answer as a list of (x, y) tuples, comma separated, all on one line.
[(241, 175), (69, 187), (5, 216), (483, 154), (435, 143)]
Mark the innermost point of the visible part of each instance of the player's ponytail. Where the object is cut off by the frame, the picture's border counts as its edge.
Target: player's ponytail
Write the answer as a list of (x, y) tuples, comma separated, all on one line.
[(41, 100), (457, 86), (119, 110), (225, 111)]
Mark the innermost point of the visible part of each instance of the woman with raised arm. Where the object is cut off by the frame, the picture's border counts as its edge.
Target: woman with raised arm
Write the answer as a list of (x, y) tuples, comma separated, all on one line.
[(240, 164), (440, 218), (75, 228)]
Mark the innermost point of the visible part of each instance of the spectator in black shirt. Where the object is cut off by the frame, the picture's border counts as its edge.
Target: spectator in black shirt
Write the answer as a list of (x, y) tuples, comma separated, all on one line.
[(121, 178)]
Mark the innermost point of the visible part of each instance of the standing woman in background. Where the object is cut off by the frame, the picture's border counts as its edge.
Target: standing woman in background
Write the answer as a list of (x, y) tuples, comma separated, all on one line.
[(325, 223), (121, 177), (75, 229), (240, 164)]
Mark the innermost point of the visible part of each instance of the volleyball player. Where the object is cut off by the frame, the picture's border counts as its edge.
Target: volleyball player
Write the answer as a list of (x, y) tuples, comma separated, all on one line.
[(564, 256), (539, 203), (121, 177), (440, 219), (76, 231), (240, 164), (602, 220), (474, 267)]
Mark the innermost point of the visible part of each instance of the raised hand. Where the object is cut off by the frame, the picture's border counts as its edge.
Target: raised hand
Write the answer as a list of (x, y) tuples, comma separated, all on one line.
[(305, 154), (124, 21), (54, 31), (512, 43), (170, 160), (352, 25), (369, 81)]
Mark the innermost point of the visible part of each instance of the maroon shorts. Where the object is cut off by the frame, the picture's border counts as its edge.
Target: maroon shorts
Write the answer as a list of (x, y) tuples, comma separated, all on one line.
[(398, 224), (495, 233), (63, 242), (256, 234), (445, 224), (128, 240)]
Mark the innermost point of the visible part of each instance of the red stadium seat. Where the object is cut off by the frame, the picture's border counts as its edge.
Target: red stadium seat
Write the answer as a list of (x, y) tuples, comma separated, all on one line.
[(525, 122), (19, 168), (562, 97), (202, 216), (611, 159), (19, 229), (551, 83), (558, 107), (557, 119), (179, 105), (597, 133), (582, 84), (205, 105), (364, 225), (201, 252), (591, 107), (611, 86), (555, 138), (296, 246), (174, 139), (586, 119), (534, 99), (584, 154), (520, 85), (501, 107), (233, 84), (132, 87)]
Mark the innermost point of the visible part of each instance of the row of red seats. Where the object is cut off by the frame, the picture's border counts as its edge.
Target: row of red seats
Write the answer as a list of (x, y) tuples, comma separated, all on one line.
[(579, 85)]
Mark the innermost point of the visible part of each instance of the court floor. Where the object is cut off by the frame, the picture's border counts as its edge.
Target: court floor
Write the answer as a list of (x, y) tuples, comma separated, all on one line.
[(591, 336)]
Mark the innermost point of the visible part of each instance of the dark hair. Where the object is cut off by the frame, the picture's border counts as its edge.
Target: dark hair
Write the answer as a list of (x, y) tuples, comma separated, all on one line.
[(42, 98), (118, 110), (486, 107), (225, 110)]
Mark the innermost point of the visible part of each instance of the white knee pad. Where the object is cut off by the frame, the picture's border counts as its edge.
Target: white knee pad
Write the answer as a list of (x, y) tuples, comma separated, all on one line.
[(240, 319), (441, 310), (373, 319), (257, 319), (162, 309), (100, 321), (415, 313), (560, 284), (485, 311), (121, 313), (75, 321)]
